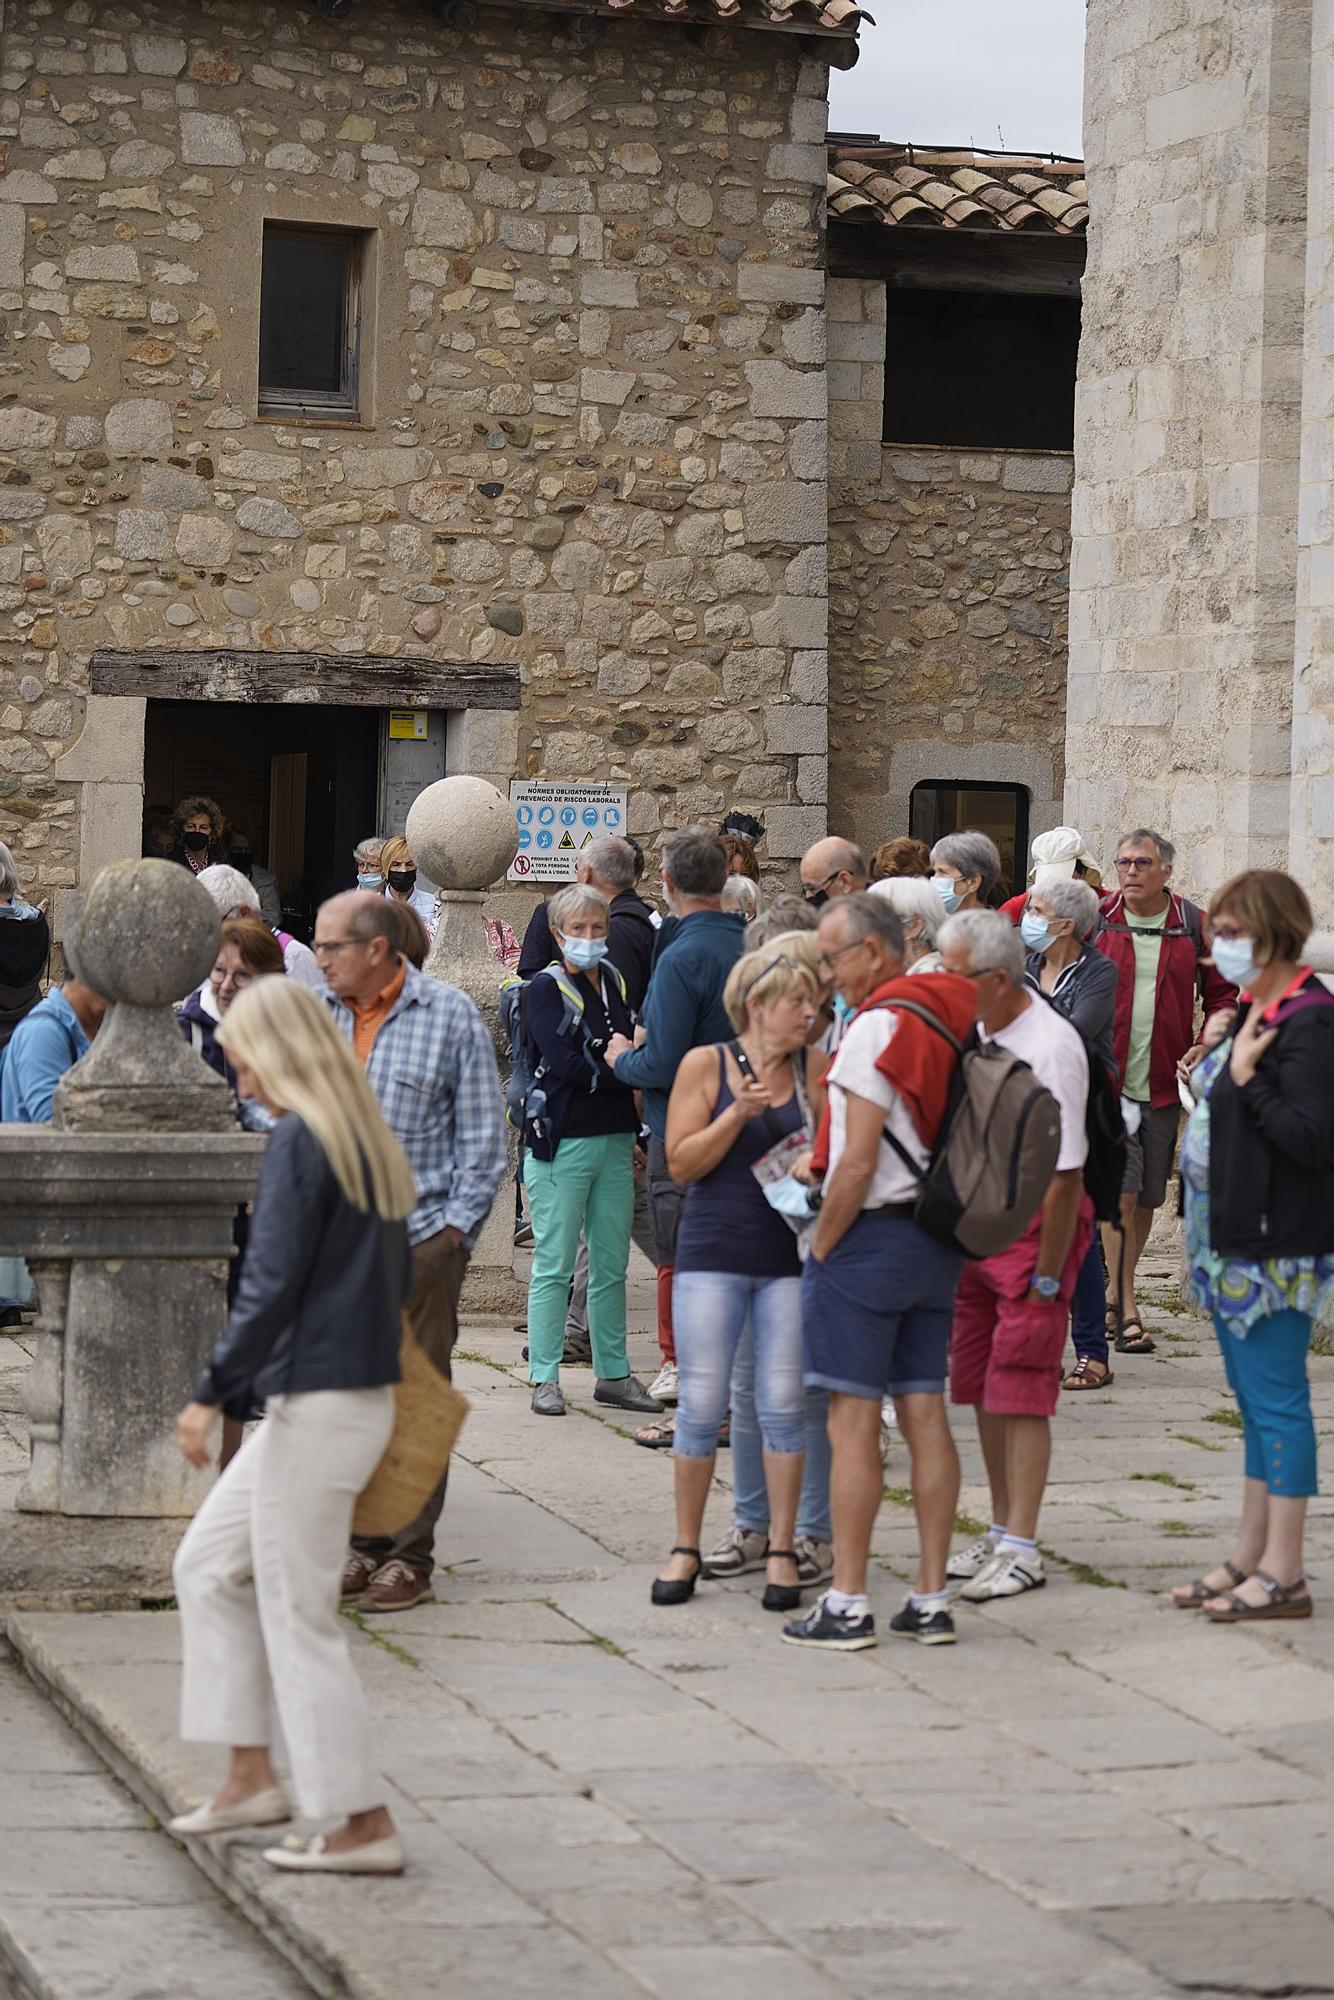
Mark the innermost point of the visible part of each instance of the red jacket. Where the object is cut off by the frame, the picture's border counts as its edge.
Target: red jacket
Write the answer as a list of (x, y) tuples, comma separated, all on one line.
[(1183, 970)]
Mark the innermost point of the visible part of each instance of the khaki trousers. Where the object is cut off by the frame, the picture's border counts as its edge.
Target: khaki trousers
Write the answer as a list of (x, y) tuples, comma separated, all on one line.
[(438, 1271), (257, 1581)]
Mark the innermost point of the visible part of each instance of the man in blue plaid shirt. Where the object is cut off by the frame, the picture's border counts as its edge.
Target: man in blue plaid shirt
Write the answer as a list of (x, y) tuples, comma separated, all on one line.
[(428, 1056)]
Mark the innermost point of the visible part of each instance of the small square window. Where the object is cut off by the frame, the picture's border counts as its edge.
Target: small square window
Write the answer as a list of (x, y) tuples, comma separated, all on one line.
[(936, 809), (310, 322)]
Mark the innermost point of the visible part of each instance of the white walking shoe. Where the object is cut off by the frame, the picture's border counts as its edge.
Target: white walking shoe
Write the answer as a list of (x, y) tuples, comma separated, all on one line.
[(666, 1384), (267, 1808), (314, 1857), (1008, 1574), (966, 1565)]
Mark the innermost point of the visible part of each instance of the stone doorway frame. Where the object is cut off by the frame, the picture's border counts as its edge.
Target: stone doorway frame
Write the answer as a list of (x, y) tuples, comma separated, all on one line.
[(107, 757)]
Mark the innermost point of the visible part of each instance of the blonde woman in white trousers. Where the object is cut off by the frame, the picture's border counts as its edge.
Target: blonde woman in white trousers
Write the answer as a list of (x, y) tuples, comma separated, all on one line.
[(315, 1332)]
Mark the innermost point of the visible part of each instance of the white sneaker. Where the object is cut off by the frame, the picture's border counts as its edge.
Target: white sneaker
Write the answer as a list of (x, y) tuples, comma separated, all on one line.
[(963, 1567), (665, 1386), (1008, 1574), (740, 1551), (815, 1562)]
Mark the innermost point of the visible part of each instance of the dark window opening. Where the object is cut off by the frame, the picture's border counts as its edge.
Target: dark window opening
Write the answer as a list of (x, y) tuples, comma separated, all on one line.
[(1000, 810), (988, 369), (310, 321)]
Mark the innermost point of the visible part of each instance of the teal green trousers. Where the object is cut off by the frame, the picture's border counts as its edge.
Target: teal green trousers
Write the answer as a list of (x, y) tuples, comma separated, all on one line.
[(589, 1186)]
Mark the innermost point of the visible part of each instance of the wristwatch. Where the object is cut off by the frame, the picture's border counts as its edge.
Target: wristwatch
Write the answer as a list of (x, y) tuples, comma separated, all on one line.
[(1046, 1288)]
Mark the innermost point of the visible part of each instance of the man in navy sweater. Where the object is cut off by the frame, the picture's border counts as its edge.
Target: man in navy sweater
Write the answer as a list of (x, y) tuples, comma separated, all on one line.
[(683, 1011)]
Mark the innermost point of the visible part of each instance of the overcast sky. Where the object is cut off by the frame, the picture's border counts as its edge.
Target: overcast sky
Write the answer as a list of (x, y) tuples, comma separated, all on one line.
[(993, 73)]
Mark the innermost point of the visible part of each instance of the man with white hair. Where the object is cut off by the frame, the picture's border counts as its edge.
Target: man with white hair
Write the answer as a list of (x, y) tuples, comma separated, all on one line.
[(1011, 1309), (234, 895)]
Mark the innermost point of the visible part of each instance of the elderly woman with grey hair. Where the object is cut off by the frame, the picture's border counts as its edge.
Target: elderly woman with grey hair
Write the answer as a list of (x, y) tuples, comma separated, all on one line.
[(919, 909), (579, 1125), (742, 895), (965, 871), (1058, 925)]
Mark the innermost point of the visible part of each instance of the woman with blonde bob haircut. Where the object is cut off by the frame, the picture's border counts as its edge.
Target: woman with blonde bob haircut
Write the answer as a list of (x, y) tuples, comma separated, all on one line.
[(315, 1332), (737, 1110)]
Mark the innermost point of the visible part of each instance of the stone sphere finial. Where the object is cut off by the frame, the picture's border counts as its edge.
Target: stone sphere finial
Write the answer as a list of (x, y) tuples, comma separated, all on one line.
[(147, 933), (463, 833)]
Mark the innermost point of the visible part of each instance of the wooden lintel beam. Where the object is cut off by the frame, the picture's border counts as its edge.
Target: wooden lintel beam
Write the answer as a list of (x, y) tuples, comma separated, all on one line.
[(358, 680)]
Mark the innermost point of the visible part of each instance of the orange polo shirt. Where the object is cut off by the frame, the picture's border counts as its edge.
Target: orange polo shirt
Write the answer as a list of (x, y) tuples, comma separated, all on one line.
[(369, 1017)]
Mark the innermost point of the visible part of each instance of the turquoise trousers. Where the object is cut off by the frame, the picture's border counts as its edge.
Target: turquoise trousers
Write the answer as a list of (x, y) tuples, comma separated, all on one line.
[(589, 1186)]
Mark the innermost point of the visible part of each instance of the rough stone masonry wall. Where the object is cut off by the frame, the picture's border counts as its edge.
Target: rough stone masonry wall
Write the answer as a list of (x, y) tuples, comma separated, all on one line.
[(596, 437), (947, 610), (1187, 421)]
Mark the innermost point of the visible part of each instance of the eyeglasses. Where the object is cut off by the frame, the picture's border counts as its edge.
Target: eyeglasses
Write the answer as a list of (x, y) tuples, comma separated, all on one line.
[(810, 894), (1126, 862), (330, 947), (832, 957)]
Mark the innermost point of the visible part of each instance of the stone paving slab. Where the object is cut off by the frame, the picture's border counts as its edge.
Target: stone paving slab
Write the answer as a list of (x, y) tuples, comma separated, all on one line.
[(94, 1903), (602, 1798)]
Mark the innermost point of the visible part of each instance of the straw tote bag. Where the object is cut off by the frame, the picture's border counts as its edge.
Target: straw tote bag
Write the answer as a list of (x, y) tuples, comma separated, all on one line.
[(428, 1414)]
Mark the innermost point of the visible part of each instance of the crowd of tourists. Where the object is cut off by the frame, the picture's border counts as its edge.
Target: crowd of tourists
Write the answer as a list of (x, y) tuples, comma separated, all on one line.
[(889, 1143)]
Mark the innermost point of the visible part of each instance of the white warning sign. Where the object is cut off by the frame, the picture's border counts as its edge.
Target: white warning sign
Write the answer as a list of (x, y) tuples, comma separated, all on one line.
[(556, 822)]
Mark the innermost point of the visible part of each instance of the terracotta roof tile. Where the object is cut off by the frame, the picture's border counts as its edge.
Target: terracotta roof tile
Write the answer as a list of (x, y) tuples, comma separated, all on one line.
[(927, 187), (840, 18)]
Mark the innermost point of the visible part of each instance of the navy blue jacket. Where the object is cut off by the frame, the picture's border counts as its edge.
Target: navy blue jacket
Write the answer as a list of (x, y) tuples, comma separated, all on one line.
[(322, 1286), (684, 1008), (630, 940)]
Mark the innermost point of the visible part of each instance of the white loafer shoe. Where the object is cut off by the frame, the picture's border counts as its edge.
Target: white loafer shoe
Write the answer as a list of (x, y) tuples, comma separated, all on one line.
[(313, 1857), (267, 1808)]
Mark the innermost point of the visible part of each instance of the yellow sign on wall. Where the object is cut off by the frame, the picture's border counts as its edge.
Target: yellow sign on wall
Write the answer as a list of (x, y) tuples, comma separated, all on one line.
[(407, 725)]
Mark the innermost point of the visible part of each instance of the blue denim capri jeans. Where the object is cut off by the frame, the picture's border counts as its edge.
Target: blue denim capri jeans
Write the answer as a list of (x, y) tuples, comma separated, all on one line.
[(709, 1313)]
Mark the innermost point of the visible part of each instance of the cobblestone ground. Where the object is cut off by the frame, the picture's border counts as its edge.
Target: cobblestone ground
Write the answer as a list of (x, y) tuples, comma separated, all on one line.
[(1091, 1795)]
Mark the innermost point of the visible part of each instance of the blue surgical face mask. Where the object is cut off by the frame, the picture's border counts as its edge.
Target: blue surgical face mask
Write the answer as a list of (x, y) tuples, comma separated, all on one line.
[(1234, 959), (790, 1197), (843, 1009), (947, 891), (1036, 933), (370, 881), (584, 953)]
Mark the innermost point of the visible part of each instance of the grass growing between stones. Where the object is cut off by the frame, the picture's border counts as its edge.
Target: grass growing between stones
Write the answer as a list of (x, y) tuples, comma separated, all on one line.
[(964, 1524), (377, 1638), (1180, 1529), (1230, 1419), (1167, 1479), (484, 1360), (1203, 1443)]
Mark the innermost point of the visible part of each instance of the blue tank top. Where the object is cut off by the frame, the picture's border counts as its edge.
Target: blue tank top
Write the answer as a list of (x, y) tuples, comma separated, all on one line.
[(726, 1224)]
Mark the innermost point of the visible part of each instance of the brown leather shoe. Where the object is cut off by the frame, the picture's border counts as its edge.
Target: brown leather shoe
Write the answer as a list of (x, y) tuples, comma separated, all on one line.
[(396, 1586), (357, 1573)]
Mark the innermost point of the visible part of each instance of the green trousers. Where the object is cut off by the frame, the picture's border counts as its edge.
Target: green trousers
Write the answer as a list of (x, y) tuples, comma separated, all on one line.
[(589, 1186)]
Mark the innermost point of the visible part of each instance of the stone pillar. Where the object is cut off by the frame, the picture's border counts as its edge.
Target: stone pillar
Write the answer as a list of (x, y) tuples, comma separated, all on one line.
[(464, 835), (1311, 821), (1184, 515), (124, 1206)]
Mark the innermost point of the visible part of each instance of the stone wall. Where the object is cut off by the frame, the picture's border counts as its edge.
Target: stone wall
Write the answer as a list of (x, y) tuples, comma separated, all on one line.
[(948, 586), (1187, 422), (595, 434)]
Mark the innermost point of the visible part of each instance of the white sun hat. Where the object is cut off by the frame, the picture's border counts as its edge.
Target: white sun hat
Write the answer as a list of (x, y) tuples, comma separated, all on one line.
[(1056, 852)]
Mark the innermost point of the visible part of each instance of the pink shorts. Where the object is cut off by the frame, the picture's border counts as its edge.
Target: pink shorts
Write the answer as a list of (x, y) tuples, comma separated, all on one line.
[(1005, 1347)]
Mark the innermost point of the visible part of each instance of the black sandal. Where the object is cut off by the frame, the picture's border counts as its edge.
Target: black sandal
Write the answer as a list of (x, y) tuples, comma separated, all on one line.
[(1139, 1342), (781, 1596), (677, 1589), (1198, 1591)]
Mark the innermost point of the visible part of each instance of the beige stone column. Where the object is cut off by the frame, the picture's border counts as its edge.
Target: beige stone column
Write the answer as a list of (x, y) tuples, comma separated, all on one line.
[(1187, 422), (1311, 826)]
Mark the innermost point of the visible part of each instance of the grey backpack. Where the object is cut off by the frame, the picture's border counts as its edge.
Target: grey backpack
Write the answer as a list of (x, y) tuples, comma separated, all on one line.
[(995, 1152)]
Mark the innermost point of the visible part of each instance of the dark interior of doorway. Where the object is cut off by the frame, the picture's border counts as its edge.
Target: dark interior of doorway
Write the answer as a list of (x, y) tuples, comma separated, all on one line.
[(301, 780)]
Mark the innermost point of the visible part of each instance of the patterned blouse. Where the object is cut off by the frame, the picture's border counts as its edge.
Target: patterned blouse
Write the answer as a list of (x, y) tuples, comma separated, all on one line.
[(1240, 1291)]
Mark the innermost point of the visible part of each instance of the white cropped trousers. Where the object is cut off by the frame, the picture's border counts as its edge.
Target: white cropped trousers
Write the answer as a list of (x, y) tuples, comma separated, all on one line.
[(257, 1581)]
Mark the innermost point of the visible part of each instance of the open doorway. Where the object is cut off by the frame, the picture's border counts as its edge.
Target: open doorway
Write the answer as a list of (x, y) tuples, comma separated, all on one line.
[(303, 780)]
